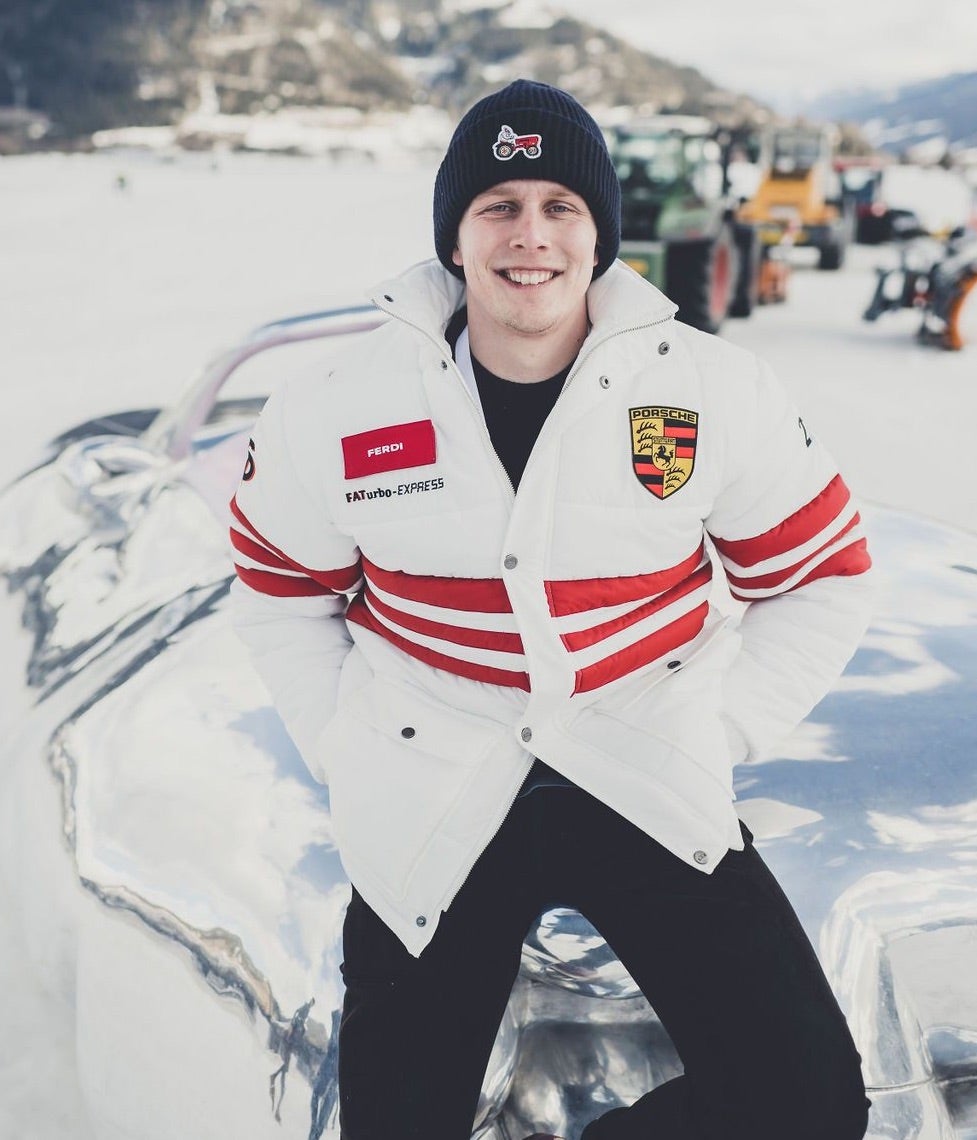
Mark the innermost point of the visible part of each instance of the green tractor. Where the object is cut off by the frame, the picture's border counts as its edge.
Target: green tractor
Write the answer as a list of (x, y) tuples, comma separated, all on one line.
[(678, 227)]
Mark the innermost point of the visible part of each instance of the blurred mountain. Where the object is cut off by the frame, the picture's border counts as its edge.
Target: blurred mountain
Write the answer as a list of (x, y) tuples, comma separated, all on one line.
[(92, 64), (929, 115)]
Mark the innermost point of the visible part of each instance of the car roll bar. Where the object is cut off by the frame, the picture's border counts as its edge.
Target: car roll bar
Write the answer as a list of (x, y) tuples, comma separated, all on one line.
[(172, 431)]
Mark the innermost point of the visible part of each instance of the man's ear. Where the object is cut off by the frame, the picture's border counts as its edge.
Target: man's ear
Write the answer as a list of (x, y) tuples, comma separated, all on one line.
[(596, 253), (456, 257)]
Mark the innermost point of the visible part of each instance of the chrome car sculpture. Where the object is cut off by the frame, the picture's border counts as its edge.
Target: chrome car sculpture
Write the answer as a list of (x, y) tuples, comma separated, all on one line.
[(190, 912)]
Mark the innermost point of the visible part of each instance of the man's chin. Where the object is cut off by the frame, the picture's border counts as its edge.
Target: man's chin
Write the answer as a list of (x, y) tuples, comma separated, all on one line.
[(523, 327), (529, 320)]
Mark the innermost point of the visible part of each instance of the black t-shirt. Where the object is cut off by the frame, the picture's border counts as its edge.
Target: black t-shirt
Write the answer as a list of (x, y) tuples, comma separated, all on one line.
[(514, 412)]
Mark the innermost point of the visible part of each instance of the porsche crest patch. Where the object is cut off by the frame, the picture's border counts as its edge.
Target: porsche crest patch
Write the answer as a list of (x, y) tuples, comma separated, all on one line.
[(663, 448)]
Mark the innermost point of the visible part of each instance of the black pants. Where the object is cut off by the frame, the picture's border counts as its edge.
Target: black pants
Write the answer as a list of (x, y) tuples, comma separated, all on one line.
[(722, 959)]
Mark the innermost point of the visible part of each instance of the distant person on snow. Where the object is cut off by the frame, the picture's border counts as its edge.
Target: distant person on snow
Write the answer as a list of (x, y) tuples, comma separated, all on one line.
[(473, 571)]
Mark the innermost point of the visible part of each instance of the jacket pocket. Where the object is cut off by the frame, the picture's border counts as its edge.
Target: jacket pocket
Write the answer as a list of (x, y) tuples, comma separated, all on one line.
[(397, 761), (672, 730), (709, 653)]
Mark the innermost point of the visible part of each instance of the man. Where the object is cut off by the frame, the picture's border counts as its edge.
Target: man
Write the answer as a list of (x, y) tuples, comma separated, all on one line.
[(473, 572)]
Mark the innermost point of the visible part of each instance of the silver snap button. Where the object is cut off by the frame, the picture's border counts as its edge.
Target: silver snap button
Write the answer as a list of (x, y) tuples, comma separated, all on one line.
[(408, 733), (526, 734), (605, 382), (663, 348), (510, 562), (674, 665), (421, 920), (701, 857)]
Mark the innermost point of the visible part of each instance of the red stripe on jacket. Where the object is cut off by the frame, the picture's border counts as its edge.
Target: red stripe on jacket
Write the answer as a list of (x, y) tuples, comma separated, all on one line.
[(460, 635), (802, 526), (481, 595), (587, 637), (359, 613), (338, 580), (256, 552), (243, 519), (642, 652), (280, 585), (778, 577), (849, 561), (577, 595)]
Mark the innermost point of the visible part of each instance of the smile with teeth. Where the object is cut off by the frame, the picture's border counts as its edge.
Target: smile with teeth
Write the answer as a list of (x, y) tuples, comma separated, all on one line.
[(528, 276)]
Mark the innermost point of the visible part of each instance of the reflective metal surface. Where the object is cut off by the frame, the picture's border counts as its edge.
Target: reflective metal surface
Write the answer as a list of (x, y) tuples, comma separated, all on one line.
[(198, 834)]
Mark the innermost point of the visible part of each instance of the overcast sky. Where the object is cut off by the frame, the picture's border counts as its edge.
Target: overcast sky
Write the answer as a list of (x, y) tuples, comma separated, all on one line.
[(792, 49)]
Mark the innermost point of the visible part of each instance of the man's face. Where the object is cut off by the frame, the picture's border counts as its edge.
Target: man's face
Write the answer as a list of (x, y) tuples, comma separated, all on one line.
[(528, 249)]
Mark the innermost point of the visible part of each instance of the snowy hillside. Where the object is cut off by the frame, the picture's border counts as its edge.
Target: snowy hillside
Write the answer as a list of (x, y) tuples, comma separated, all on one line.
[(905, 117)]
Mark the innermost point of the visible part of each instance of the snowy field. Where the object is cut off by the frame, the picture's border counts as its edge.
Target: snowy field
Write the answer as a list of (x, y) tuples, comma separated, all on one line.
[(111, 298)]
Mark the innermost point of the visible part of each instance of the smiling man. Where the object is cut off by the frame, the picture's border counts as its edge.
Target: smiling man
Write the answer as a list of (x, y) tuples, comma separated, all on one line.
[(474, 572)]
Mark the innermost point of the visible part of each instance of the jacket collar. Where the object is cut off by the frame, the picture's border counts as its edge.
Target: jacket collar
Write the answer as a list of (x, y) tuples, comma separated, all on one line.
[(426, 296)]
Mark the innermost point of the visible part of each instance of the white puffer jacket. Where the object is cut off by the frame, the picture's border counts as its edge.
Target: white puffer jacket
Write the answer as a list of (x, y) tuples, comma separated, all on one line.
[(570, 621)]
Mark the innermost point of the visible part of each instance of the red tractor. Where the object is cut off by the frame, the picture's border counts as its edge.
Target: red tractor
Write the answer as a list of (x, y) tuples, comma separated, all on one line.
[(509, 142)]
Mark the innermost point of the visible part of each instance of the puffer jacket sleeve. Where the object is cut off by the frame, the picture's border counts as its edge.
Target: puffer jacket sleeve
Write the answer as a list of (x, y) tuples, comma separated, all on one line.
[(791, 540), (295, 571)]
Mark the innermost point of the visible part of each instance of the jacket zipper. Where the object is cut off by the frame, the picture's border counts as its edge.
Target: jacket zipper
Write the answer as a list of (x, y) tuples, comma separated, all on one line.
[(483, 427), (462, 877)]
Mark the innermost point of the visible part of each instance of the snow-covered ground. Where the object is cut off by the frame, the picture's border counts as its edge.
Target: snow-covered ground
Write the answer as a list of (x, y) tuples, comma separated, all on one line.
[(112, 296)]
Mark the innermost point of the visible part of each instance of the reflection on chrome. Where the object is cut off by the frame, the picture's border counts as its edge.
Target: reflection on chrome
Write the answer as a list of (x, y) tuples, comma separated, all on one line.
[(186, 808)]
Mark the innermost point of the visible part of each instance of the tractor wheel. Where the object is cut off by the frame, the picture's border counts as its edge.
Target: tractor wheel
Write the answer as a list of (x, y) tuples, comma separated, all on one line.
[(831, 255), (747, 292), (961, 323), (504, 150), (700, 277)]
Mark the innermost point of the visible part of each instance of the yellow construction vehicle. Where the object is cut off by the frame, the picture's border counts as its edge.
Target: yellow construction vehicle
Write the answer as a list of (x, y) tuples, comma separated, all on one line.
[(800, 195)]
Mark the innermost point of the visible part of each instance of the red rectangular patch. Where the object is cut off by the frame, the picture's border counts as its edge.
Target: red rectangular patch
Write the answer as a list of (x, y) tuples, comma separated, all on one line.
[(389, 449)]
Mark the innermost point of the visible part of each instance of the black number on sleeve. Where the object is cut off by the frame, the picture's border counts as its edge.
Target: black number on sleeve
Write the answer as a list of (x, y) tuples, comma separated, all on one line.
[(249, 463)]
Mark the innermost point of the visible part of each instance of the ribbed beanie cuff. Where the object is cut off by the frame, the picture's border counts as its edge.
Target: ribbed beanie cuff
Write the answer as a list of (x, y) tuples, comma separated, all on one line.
[(527, 130)]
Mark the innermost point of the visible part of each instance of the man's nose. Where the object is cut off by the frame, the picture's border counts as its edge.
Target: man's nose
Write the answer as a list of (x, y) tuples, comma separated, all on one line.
[(530, 232)]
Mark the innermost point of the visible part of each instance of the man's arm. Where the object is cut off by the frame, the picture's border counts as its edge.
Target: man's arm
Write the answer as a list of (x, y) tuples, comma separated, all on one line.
[(294, 571), (791, 541)]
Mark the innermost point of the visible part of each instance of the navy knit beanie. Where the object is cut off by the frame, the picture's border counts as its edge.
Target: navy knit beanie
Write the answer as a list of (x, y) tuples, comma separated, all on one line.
[(527, 130)]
